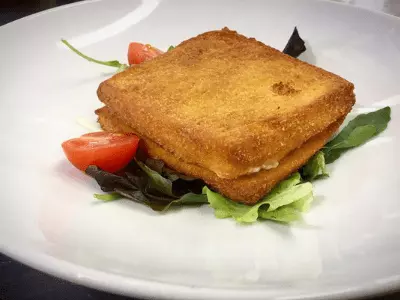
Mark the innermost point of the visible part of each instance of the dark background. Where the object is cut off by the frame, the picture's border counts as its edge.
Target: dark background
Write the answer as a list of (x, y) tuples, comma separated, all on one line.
[(20, 282)]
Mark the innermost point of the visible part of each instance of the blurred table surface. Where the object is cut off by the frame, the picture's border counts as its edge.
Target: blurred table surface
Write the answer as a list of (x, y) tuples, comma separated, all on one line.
[(24, 283)]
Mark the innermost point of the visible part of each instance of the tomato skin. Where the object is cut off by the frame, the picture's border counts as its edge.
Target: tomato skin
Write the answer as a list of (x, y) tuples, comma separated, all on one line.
[(110, 152), (138, 53)]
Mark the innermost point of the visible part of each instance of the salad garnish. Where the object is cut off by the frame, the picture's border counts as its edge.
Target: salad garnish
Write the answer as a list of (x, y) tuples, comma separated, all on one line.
[(111, 63), (126, 172)]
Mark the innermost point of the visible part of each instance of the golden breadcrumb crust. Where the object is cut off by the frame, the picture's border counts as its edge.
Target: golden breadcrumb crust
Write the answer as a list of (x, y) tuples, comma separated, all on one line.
[(227, 103)]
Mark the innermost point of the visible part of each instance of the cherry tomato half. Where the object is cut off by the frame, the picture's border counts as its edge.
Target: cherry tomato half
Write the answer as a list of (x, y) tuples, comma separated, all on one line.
[(111, 152), (138, 53)]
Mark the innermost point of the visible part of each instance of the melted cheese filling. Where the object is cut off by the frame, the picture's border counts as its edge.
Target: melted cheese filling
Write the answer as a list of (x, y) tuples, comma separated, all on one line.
[(267, 166)]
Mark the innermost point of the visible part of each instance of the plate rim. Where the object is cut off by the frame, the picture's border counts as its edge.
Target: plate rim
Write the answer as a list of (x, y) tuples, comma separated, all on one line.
[(89, 2), (136, 287)]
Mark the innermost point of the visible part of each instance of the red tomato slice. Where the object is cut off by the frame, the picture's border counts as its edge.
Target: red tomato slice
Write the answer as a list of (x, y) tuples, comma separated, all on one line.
[(138, 53), (111, 152)]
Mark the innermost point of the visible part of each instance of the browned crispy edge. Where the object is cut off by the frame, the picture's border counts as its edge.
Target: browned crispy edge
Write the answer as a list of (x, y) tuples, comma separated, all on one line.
[(246, 189), (233, 158)]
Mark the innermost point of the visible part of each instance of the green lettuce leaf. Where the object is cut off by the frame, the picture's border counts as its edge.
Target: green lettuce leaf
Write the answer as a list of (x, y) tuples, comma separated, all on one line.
[(108, 197), (170, 48), (144, 185), (284, 214), (284, 195), (187, 199), (160, 205), (359, 130), (291, 212), (315, 168), (158, 182), (111, 63)]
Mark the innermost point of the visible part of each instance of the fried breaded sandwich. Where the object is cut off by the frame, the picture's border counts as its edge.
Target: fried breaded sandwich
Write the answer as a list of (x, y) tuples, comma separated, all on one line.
[(229, 110)]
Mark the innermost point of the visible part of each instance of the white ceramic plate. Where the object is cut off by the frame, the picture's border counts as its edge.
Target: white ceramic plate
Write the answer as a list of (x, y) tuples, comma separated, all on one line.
[(50, 221)]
